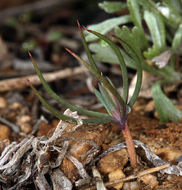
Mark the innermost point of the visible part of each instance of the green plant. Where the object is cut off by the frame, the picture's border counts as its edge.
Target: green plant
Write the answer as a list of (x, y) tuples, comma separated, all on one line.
[(157, 33), (117, 106)]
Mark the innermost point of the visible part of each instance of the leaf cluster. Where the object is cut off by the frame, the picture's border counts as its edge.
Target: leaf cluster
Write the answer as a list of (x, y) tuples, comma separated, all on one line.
[(117, 106), (156, 32)]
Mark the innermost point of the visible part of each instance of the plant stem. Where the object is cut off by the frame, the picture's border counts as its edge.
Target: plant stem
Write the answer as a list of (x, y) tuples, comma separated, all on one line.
[(130, 145)]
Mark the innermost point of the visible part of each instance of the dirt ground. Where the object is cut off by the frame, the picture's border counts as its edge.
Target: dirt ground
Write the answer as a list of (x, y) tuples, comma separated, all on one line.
[(38, 150)]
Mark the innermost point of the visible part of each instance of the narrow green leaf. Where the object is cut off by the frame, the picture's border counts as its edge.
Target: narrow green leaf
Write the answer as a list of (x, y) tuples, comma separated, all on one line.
[(121, 62), (157, 29), (177, 40), (166, 110), (107, 26), (138, 60), (107, 98), (135, 13), (67, 118), (112, 7), (175, 4), (90, 58), (171, 12), (50, 108), (60, 99), (165, 12), (102, 100), (106, 54), (134, 9), (102, 79)]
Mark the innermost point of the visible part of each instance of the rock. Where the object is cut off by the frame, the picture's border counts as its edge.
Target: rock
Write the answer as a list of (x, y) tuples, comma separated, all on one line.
[(150, 180), (113, 161), (4, 132), (24, 123), (134, 185), (15, 106), (3, 103), (79, 149), (24, 119), (26, 128), (117, 174), (169, 154), (150, 106), (44, 129)]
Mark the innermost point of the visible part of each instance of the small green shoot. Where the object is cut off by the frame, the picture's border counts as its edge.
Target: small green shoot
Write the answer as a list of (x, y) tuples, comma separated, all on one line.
[(117, 106)]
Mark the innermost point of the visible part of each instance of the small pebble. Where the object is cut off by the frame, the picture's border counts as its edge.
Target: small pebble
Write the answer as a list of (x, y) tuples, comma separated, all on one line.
[(24, 123), (3, 103), (113, 161), (117, 174), (4, 132), (169, 154), (15, 106), (24, 119), (150, 106), (26, 128), (150, 180), (134, 185)]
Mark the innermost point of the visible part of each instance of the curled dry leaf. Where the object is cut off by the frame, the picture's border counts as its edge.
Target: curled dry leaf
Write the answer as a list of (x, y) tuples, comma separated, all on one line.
[(162, 60)]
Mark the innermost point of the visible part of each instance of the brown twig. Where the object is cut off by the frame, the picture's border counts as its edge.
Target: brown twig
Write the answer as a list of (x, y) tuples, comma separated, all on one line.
[(131, 177), (20, 83)]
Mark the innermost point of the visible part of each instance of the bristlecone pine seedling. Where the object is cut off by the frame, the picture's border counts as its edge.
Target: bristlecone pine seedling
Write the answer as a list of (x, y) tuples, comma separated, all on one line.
[(117, 106)]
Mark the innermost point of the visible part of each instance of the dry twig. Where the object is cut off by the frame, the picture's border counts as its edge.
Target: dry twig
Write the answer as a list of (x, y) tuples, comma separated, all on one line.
[(20, 83), (140, 174)]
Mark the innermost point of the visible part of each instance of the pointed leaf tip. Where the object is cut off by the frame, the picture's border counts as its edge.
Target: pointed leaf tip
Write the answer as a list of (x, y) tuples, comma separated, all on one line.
[(79, 26), (30, 55), (85, 28), (69, 51)]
